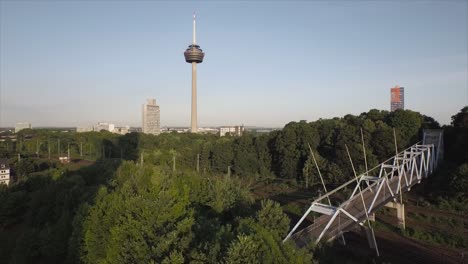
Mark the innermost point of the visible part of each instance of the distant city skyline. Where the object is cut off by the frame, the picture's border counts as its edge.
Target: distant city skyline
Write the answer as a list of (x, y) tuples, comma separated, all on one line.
[(76, 63)]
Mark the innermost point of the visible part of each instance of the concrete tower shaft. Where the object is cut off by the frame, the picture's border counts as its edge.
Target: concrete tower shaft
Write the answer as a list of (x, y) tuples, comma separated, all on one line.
[(194, 54)]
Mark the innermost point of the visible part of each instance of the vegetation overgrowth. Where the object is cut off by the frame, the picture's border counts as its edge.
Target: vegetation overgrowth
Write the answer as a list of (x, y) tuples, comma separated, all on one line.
[(179, 198)]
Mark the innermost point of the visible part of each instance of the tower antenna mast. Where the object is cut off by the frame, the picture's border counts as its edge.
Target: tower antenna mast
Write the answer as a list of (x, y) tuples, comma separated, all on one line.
[(194, 42)]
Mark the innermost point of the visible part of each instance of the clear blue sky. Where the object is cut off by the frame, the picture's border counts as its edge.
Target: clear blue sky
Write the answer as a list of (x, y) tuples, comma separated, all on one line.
[(267, 63)]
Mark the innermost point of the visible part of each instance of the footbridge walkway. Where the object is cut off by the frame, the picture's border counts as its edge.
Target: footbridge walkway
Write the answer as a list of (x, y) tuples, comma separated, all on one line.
[(377, 187)]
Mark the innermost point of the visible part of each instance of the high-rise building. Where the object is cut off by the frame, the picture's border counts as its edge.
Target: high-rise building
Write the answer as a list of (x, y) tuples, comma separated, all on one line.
[(21, 126), (397, 98), (194, 55), (151, 118)]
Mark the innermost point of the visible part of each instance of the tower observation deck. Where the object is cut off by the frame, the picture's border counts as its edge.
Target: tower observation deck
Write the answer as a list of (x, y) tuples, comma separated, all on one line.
[(194, 54)]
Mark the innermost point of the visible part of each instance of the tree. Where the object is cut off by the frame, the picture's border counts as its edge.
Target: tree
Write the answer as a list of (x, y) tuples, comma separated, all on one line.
[(408, 124), (244, 250), (292, 149), (245, 161), (287, 156), (129, 145), (383, 141), (377, 115), (271, 217), (222, 154), (125, 222), (264, 155), (461, 118), (459, 180), (310, 176)]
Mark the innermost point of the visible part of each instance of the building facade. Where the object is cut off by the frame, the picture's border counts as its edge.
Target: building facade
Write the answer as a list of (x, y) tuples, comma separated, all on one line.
[(231, 130), (84, 129), (151, 118), (4, 172), (122, 130), (104, 126), (397, 98), (21, 126)]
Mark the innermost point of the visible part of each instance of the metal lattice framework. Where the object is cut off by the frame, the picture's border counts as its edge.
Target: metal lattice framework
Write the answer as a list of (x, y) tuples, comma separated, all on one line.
[(371, 191)]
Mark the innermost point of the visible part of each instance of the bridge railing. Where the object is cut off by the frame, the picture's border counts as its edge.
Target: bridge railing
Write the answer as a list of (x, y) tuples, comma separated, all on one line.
[(365, 174), (394, 174)]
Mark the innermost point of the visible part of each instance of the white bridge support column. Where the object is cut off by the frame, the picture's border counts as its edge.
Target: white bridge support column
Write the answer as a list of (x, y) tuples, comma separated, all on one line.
[(400, 207), (372, 217), (370, 237)]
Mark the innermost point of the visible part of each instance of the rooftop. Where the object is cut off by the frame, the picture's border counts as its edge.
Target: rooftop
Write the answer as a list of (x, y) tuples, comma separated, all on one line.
[(4, 164)]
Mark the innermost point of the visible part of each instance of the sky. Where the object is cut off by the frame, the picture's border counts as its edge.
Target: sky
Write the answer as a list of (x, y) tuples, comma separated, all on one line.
[(75, 63)]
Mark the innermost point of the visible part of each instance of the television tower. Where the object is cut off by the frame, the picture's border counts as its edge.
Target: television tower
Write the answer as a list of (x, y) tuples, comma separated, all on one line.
[(194, 55)]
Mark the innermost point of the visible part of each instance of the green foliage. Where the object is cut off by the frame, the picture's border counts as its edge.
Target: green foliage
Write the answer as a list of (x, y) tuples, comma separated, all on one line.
[(244, 250), (133, 233), (224, 194), (459, 180), (245, 159), (269, 246), (121, 211), (222, 154), (12, 206), (461, 118), (436, 237), (271, 217), (193, 220), (408, 124)]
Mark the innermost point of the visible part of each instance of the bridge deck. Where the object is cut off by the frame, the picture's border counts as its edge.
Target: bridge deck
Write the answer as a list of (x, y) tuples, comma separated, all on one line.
[(343, 223)]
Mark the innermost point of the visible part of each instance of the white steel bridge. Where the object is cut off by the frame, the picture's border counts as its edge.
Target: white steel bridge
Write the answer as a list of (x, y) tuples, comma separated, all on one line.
[(377, 187)]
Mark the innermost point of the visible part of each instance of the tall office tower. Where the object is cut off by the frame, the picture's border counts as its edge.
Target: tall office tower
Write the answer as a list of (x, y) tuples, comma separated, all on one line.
[(194, 55), (397, 98), (151, 118)]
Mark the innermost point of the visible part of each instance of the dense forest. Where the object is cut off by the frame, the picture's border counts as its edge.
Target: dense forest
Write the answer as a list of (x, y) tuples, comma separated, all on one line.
[(179, 198)]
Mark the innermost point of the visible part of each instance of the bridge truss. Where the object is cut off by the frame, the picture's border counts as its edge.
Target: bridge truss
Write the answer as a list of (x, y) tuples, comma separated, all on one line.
[(370, 191)]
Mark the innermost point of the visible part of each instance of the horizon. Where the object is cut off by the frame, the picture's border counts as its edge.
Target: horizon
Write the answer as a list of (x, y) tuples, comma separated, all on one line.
[(200, 127), (73, 64)]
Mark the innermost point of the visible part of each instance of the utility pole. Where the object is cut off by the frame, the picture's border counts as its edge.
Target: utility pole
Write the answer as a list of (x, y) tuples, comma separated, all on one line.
[(229, 171), (68, 152), (173, 162), (364, 151), (81, 149), (141, 158), (18, 166), (58, 147), (198, 163), (37, 148)]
